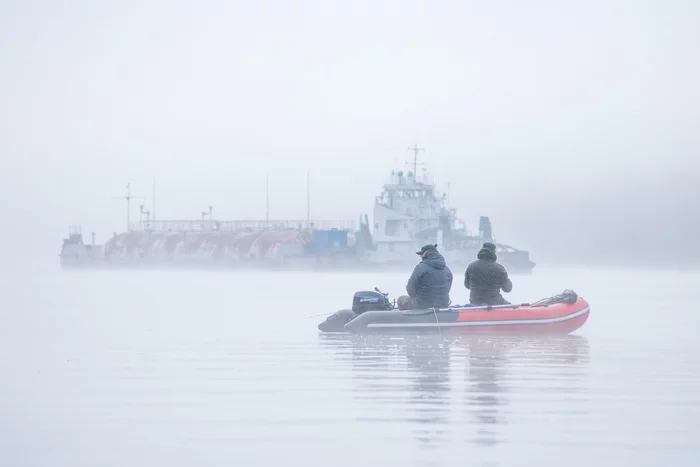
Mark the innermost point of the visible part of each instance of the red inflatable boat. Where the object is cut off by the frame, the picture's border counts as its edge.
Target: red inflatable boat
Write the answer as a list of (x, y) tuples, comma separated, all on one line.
[(563, 313), (555, 318)]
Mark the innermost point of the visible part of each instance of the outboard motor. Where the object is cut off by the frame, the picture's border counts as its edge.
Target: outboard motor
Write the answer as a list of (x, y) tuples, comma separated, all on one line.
[(366, 300), (370, 300)]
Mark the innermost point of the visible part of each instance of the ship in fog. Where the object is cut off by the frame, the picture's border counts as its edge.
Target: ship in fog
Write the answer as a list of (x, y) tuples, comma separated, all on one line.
[(407, 214)]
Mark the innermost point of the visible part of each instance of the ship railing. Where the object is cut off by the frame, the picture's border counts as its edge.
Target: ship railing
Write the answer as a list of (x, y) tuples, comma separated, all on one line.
[(239, 225)]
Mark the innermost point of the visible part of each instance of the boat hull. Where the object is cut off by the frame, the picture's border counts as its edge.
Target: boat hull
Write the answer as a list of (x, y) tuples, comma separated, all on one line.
[(556, 318)]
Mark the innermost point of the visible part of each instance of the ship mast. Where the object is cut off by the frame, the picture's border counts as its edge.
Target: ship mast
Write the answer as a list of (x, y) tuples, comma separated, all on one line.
[(449, 188), (154, 203), (415, 162), (267, 200), (308, 198), (128, 199)]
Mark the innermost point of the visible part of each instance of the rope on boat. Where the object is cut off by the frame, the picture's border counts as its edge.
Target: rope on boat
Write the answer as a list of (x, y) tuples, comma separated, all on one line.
[(437, 321), (567, 296), (322, 314)]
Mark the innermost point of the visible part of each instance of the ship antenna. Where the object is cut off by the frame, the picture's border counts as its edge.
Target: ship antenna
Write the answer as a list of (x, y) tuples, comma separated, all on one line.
[(267, 200), (415, 162), (449, 187), (128, 199), (154, 204)]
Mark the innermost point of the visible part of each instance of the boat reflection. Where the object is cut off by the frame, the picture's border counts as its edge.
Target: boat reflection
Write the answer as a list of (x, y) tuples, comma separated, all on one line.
[(457, 382)]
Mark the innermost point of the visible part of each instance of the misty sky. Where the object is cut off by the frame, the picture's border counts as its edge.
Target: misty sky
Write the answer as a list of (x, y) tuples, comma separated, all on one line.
[(573, 125)]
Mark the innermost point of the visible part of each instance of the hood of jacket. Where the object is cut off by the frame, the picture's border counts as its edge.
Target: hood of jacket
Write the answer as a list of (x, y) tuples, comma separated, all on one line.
[(486, 253), (434, 259)]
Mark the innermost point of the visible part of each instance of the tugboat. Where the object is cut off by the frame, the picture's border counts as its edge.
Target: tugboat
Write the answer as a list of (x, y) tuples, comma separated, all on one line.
[(408, 214)]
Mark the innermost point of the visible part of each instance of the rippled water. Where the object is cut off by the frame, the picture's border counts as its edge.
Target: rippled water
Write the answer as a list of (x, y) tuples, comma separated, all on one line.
[(214, 369)]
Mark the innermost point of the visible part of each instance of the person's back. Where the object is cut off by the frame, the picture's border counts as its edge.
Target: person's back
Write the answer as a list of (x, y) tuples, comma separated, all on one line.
[(485, 278), (429, 285)]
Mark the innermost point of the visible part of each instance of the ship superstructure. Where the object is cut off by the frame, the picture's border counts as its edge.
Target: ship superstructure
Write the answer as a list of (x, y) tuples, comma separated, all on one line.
[(410, 212)]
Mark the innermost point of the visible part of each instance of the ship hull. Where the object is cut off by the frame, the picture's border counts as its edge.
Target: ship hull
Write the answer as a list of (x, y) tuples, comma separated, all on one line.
[(285, 250), (310, 264)]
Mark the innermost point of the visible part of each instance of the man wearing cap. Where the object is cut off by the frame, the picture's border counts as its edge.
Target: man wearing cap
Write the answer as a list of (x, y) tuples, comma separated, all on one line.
[(429, 285), (485, 278)]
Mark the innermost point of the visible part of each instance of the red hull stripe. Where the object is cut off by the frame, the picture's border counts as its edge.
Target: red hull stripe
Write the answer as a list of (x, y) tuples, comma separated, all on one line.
[(504, 322)]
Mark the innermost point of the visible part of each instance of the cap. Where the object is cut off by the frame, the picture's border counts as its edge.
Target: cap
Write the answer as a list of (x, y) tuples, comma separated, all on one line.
[(426, 248), (489, 246)]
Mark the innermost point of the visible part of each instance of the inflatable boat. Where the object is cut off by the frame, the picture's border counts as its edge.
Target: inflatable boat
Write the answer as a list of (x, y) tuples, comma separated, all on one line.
[(372, 312)]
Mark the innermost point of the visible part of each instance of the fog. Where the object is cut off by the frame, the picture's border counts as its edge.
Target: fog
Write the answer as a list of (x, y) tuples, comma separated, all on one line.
[(574, 126)]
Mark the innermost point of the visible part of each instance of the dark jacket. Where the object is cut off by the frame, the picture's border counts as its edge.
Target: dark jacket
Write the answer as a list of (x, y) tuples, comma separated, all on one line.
[(429, 285), (485, 279)]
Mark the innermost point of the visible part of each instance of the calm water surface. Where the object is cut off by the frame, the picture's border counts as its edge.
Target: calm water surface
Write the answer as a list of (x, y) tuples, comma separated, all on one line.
[(220, 369)]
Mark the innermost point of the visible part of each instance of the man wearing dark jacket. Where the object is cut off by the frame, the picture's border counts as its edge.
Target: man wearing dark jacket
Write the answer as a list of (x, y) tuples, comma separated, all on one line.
[(429, 285), (485, 278)]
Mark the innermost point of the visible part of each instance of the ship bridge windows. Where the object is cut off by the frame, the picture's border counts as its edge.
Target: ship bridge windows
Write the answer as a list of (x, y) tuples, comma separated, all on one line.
[(417, 193)]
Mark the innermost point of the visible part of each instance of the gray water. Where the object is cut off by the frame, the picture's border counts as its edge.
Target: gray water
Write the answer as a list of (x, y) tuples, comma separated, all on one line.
[(219, 368)]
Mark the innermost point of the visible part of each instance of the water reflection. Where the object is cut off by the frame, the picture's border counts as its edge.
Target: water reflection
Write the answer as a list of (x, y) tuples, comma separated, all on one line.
[(485, 388), (442, 384)]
